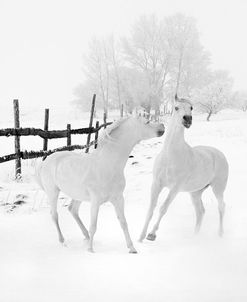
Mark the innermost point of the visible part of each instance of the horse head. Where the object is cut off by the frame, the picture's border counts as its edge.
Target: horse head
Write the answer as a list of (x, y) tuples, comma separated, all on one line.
[(147, 129), (183, 111)]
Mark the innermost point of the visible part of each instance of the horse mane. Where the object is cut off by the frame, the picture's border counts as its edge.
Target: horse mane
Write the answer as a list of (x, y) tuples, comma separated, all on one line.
[(182, 100), (106, 135)]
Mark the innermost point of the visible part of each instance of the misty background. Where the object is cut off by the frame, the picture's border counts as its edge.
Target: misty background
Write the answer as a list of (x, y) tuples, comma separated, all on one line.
[(44, 46)]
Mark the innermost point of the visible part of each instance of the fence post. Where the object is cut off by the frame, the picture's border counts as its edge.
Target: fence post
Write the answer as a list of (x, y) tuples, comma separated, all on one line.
[(46, 127), (68, 135), (104, 119), (91, 121), (96, 135), (122, 110), (17, 140)]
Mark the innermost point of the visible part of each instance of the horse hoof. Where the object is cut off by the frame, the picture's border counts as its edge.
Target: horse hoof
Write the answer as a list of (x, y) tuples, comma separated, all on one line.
[(134, 251), (151, 237), (196, 231), (221, 233), (90, 250)]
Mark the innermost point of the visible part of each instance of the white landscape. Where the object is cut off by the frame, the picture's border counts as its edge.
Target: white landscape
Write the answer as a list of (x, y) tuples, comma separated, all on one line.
[(137, 57), (178, 266)]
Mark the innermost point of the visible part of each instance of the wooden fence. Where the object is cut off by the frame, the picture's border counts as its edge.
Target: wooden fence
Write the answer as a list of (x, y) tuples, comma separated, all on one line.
[(46, 134)]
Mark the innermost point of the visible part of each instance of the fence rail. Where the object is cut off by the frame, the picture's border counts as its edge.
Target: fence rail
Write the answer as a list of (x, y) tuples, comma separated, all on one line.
[(46, 135), (41, 153)]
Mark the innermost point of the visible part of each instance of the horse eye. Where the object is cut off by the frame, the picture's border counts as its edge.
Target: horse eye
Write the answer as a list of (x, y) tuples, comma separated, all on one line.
[(191, 108), (176, 108)]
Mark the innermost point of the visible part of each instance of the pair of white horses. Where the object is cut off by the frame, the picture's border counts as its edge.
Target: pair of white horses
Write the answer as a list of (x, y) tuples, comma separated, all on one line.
[(98, 177)]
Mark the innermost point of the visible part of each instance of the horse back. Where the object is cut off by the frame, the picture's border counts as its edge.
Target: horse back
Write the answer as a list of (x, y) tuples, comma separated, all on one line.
[(218, 160)]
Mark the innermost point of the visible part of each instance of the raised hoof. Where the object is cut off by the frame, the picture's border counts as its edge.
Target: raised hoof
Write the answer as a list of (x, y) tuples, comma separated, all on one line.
[(151, 237)]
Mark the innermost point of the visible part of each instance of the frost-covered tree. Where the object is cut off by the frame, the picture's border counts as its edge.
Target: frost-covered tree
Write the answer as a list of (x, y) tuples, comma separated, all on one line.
[(147, 51), (169, 54), (240, 100), (189, 60), (160, 57), (216, 95), (83, 95), (97, 64)]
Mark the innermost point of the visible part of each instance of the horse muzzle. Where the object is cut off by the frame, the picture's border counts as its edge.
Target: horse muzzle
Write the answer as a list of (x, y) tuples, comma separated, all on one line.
[(187, 121), (161, 130)]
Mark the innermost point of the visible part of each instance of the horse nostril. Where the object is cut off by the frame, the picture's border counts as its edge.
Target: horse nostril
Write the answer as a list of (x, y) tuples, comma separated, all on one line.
[(160, 132), (187, 118)]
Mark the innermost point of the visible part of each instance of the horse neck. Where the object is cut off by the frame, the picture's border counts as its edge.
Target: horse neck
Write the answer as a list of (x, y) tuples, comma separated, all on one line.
[(175, 137), (117, 150)]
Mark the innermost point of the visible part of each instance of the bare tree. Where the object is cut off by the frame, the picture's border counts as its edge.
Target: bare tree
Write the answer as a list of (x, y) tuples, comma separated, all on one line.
[(157, 59), (239, 100), (216, 95), (189, 67), (147, 51), (83, 95), (116, 63), (97, 69)]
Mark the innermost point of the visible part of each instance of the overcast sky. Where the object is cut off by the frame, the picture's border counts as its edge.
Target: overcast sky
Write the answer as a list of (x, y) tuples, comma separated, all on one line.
[(42, 42)]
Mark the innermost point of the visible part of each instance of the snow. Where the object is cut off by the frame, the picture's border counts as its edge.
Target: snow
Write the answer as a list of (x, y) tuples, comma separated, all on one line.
[(178, 266)]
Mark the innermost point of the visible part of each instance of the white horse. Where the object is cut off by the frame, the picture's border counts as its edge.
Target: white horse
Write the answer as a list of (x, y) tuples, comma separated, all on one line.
[(97, 177), (182, 168)]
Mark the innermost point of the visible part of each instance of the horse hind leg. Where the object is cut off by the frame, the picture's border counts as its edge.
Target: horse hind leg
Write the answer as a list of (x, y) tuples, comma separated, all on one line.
[(219, 194), (199, 208), (53, 196), (93, 223), (218, 190), (74, 209)]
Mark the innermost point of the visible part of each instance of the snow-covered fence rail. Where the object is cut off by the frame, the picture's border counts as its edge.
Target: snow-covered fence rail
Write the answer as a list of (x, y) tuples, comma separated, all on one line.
[(41, 153), (46, 134)]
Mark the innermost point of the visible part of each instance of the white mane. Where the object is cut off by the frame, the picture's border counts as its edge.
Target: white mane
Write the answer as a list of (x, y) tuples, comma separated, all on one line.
[(184, 101), (106, 135)]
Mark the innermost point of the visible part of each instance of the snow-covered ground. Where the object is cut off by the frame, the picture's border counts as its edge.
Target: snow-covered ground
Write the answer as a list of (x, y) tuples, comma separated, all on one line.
[(178, 266)]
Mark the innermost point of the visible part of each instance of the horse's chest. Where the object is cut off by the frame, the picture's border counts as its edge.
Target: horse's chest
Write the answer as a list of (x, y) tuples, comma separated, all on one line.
[(173, 171)]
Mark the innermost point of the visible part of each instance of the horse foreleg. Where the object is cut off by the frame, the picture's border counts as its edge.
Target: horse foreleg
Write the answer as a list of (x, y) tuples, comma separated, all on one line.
[(199, 208), (119, 208), (74, 209), (163, 209), (155, 191), (93, 223)]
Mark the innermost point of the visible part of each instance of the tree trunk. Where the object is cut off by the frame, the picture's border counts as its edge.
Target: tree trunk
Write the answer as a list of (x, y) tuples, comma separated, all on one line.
[(148, 110), (209, 115)]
